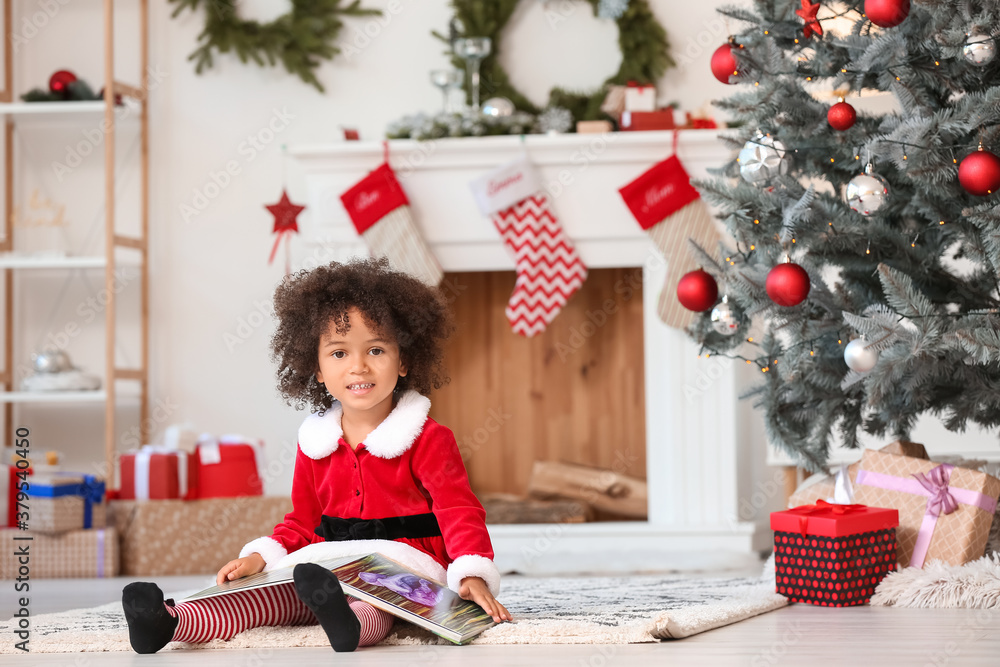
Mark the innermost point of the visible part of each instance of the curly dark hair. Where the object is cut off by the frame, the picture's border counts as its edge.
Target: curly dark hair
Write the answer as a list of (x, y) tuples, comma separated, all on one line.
[(398, 306)]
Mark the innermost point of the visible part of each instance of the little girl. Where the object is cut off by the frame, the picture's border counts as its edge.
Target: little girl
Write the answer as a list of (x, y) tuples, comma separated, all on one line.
[(362, 345)]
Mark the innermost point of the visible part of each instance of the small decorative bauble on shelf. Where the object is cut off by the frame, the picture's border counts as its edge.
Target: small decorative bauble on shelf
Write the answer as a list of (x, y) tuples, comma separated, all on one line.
[(725, 317), (979, 49), (787, 284), (55, 372), (761, 159), (867, 192), (979, 173), (498, 106), (887, 13), (60, 80), (841, 116), (859, 357), (51, 360), (723, 62), (697, 290)]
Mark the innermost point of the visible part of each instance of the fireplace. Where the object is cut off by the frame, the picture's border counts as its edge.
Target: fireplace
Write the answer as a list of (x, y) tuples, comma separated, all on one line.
[(696, 445)]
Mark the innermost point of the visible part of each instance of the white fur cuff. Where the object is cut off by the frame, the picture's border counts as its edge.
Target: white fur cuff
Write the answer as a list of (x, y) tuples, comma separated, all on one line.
[(268, 548), (474, 566)]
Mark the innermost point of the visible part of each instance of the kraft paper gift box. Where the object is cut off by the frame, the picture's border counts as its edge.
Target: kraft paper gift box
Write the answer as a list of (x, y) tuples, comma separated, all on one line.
[(833, 555), (824, 487), (945, 513), (71, 554), (64, 501), (162, 537)]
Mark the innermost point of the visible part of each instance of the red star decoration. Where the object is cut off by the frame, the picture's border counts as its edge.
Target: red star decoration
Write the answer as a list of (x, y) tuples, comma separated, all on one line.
[(808, 14), (284, 213)]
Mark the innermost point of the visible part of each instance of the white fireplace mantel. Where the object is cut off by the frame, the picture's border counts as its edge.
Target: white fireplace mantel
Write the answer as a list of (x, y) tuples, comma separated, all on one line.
[(699, 455)]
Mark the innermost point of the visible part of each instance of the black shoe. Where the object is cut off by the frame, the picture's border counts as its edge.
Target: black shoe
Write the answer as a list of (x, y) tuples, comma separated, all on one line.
[(320, 590), (150, 626)]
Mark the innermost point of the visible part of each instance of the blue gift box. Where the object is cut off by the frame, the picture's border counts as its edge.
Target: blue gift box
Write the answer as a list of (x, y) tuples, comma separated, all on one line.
[(91, 489)]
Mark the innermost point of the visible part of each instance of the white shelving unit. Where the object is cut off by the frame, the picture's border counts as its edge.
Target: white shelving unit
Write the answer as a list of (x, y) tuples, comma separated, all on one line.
[(12, 264)]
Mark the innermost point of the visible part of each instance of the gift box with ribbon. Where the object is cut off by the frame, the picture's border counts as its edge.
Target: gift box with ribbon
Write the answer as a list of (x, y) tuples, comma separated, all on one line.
[(945, 512), (640, 97), (226, 467), (839, 487), (154, 472), (64, 501), (72, 554), (833, 555)]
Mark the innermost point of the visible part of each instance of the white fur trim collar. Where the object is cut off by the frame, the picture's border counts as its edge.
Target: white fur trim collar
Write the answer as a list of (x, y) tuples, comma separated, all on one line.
[(319, 435)]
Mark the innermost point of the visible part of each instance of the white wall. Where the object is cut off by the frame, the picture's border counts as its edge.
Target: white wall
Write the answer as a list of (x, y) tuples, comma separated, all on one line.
[(210, 276)]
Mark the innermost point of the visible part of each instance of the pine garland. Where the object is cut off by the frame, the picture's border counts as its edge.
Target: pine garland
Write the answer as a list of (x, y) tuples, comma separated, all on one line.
[(298, 39), (643, 42)]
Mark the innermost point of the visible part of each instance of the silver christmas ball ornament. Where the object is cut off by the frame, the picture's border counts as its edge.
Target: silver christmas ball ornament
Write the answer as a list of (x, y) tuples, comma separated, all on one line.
[(980, 50), (762, 159), (51, 360), (725, 317), (859, 356), (867, 193), (498, 106)]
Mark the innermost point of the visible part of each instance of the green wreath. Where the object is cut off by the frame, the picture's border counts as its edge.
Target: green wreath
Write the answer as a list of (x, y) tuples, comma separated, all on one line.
[(641, 38), (299, 39)]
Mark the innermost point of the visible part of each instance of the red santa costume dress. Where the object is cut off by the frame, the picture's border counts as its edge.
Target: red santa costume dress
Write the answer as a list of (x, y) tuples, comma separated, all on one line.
[(409, 472)]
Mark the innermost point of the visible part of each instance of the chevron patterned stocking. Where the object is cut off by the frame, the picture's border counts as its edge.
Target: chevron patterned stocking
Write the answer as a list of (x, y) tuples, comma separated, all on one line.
[(549, 269)]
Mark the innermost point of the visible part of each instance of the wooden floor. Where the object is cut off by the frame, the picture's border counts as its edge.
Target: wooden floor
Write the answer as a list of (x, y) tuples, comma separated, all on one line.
[(800, 635)]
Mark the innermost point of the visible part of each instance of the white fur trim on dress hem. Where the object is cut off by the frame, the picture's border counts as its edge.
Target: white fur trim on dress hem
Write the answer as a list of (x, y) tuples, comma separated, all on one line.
[(268, 548), (413, 558), (472, 565)]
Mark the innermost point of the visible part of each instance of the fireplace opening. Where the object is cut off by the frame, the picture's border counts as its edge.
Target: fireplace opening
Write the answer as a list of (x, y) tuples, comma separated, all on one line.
[(552, 428)]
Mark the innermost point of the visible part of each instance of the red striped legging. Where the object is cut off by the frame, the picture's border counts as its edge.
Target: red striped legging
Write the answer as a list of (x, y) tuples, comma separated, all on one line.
[(199, 621)]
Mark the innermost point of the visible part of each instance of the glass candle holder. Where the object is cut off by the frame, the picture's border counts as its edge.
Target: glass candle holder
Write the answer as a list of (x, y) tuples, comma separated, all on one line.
[(472, 50)]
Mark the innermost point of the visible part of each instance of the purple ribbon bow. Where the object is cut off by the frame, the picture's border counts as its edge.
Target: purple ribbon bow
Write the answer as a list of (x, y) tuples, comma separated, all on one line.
[(940, 501)]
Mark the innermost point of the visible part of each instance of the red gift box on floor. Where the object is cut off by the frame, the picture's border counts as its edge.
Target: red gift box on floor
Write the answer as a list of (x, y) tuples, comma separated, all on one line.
[(833, 555), (154, 473), (226, 467)]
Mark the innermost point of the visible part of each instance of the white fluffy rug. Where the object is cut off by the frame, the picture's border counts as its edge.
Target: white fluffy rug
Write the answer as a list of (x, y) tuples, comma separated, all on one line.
[(583, 610), (975, 585)]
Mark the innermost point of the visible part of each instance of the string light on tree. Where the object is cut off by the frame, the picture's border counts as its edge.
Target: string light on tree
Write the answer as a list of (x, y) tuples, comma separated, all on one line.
[(859, 357), (887, 13), (787, 284), (867, 193), (723, 63), (980, 50), (841, 116), (979, 173), (697, 290)]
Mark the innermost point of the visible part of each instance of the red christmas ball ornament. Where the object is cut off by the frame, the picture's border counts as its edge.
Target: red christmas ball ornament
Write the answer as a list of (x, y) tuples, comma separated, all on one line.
[(697, 290), (841, 116), (59, 82), (787, 284), (979, 173), (887, 13), (723, 63)]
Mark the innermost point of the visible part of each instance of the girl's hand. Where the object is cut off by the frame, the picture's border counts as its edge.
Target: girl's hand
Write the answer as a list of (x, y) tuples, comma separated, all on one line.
[(241, 567), (475, 589)]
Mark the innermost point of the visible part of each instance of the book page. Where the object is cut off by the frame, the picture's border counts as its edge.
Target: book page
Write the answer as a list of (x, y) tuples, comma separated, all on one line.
[(261, 580)]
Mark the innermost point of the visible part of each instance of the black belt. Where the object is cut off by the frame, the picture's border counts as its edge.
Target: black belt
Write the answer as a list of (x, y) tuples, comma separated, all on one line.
[(335, 529)]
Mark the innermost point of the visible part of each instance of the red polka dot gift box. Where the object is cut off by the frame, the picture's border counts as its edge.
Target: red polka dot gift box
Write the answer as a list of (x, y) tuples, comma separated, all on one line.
[(833, 555)]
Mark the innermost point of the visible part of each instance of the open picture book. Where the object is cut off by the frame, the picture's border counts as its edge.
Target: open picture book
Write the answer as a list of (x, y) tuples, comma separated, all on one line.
[(384, 583)]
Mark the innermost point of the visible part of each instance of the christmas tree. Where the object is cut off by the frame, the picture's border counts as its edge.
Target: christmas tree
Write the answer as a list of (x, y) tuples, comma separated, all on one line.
[(867, 247)]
